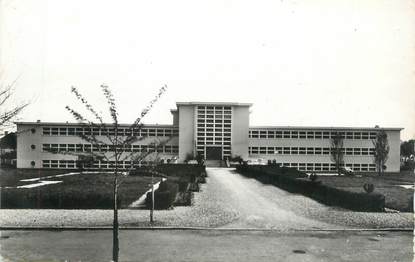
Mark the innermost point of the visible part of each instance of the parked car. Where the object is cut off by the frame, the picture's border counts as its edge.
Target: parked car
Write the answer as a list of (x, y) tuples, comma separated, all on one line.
[(347, 171)]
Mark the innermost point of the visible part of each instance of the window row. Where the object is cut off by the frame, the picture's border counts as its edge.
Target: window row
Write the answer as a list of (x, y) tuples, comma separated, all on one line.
[(167, 149), (272, 134), (71, 164), (255, 150), (329, 166), (78, 131)]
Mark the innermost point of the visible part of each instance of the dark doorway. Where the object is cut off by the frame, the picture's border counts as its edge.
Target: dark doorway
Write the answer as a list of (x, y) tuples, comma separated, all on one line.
[(213, 153)]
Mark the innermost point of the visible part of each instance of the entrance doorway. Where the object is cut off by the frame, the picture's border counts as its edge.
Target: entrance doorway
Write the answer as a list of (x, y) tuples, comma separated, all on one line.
[(213, 153)]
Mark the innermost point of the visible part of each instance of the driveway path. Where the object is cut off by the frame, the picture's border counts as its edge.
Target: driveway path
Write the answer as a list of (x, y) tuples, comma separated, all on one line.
[(266, 206)]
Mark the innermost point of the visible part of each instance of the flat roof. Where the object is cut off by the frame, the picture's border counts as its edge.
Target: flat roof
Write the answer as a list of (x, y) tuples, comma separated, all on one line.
[(79, 124), (213, 104), (327, 128)]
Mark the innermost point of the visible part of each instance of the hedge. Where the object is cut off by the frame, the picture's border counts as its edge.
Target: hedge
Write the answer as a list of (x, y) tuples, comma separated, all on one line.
[(296, 183)]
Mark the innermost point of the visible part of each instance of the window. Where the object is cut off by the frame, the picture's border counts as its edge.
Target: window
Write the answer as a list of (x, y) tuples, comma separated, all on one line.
[(46, 163), (286, 151), (262, 150), (45, 147), (294, 134), (55, 131), (302, 134), (317, 151), (71, 131), (310, 135), (278, 134), (318, 135), (62, 147), (286, 134), (302, 151), (326, 135), (46, 131), (71, 147), (294, 150)]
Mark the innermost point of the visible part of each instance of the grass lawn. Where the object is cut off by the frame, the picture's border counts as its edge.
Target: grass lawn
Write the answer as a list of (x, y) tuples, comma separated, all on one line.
[(396, 197), (81, 191)]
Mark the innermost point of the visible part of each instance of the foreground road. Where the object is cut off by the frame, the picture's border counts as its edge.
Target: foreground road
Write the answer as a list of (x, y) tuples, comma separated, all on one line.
[(206, 245)]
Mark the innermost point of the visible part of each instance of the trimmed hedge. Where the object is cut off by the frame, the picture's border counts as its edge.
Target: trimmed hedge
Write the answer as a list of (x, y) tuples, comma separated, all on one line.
[(32, 198), (291, 180), (164, 196)]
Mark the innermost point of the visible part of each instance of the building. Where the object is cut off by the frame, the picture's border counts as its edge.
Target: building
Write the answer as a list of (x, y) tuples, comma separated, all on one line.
[(216, 131)]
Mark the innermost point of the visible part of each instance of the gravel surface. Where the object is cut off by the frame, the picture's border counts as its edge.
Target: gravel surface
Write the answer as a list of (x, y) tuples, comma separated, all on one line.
[(227, 200)]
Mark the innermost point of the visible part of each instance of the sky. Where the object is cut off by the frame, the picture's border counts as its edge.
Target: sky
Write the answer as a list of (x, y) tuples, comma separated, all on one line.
[(301, 63)]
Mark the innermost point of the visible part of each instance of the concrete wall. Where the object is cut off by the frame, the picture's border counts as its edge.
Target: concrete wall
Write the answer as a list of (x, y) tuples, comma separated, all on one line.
[(186, 130), (240, 131)]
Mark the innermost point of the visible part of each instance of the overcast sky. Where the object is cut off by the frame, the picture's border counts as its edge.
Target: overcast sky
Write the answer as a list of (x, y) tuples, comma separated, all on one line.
[(314, 63)]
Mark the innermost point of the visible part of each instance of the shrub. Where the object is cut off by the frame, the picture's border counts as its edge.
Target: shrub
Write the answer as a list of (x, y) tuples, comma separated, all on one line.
[(313, 177), (368, 188), (164, 196)]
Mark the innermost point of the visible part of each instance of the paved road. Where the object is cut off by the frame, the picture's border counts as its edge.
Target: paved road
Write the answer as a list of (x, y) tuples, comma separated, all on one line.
[(211, 245)]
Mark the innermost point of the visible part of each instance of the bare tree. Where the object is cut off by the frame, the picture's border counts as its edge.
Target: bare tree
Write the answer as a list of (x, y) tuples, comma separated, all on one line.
[(114, 143), (381, 152), (7, 114), (337, 151)]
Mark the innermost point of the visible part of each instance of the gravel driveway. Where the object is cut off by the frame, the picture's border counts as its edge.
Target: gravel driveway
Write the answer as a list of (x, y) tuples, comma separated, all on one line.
[(227, 200)]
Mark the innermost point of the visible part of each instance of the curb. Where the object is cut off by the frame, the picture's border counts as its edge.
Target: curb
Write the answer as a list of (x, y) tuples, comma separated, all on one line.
[(207, 229)]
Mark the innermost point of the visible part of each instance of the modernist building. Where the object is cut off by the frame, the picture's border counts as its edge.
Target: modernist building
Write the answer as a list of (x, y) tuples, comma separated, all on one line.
[(215, 131)]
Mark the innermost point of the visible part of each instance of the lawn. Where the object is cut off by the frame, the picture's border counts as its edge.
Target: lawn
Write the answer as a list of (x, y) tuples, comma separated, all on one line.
[(396, 197), (85, 191)]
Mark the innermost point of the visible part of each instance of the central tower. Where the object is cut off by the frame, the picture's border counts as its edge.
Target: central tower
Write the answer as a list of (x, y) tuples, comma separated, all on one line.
[(213, 130)]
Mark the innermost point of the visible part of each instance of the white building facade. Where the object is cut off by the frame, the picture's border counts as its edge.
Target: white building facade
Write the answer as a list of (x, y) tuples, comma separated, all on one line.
[(215, 131)]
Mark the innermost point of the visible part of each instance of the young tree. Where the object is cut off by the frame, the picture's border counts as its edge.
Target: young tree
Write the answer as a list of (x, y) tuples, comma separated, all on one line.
[(112, 145), (8, 113), (408, 149), (337, 151), (381, 145)]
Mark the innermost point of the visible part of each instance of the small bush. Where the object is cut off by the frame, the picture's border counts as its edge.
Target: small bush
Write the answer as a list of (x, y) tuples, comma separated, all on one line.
[(164, 196), (313, 177), (368, 188)]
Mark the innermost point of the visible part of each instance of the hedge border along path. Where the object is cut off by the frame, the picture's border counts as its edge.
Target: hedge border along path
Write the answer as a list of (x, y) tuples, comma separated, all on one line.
[(293, 181)]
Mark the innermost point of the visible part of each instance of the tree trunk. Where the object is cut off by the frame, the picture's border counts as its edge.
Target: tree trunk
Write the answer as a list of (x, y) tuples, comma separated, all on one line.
[(115, 245)]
